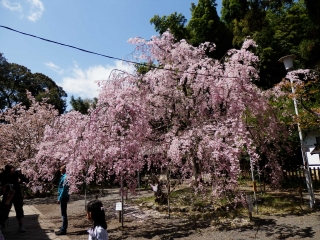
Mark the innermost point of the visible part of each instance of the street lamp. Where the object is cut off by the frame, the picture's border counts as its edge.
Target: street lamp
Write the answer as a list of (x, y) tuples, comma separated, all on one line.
[(288, 63)]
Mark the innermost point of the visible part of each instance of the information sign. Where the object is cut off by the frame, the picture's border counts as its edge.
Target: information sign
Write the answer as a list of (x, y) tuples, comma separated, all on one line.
[(119, 206)]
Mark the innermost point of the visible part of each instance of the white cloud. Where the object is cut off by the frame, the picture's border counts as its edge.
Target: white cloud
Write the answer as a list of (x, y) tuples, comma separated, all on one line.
[(36, 10), (82, 83), (54, 67), (12, 6)]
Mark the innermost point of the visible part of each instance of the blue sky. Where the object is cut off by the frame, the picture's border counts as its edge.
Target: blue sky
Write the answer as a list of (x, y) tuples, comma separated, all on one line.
[(101, 26)]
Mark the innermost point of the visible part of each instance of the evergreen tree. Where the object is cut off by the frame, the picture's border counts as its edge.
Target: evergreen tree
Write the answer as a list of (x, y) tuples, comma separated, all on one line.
[(83, 105), (204, 26), (15, 79)]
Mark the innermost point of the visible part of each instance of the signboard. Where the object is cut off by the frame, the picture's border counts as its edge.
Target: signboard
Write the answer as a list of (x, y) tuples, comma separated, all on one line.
[(119, 206)]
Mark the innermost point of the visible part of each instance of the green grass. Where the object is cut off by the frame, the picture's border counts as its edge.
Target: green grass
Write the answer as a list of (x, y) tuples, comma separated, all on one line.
[(281, 203), (181, 192), (144, 200), (271, 203)]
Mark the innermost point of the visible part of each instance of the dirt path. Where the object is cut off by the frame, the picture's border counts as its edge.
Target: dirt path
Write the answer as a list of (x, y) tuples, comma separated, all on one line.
[(151, 224)]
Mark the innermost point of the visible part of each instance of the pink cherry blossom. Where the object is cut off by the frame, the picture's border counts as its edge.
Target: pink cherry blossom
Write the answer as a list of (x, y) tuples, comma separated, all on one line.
[(189, 115)]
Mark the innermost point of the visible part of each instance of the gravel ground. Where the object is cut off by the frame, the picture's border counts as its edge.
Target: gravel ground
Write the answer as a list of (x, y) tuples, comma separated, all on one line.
[(151, 224)]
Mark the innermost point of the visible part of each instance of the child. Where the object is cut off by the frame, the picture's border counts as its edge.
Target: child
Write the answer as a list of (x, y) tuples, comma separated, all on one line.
[(95, 213)]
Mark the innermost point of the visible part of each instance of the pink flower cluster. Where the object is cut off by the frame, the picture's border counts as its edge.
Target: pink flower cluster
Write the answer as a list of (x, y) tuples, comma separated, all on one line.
[(189, 116)]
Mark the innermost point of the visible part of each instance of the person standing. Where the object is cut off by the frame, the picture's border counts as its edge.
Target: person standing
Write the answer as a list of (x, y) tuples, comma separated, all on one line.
[(8, 192), (13, 177), (63, 198)]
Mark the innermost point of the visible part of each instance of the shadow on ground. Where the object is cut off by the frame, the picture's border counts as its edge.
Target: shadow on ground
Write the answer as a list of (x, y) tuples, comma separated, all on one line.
[(167, 229), (177, 228), (271, 229), (282, 231), (34, 230)]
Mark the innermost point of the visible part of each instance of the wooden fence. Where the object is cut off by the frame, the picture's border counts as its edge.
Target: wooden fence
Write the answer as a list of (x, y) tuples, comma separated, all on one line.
[(297, 174)]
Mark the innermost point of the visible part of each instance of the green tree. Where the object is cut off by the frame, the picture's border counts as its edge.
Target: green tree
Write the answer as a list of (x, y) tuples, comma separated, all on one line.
[(279, 27), (313, 8), (4, 73), (175, 22), (233, 10), (204, 26), (15, 79), (250, 18), (307, 94), (83, 105)]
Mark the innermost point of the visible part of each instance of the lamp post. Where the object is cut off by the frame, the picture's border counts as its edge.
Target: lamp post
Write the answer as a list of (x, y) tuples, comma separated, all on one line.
[(252, 176), (254, 185), (288, 63)]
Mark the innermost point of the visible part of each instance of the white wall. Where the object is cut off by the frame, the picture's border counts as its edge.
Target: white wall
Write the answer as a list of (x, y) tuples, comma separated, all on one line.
[(309, 142)]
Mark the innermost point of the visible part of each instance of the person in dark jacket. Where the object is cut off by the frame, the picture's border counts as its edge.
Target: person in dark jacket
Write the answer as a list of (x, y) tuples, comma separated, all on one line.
[(5, 206), (13, 178), (63, 198)]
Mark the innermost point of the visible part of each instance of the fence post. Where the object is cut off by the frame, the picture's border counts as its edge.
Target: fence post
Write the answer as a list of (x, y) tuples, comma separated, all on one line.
[(300, 177), (310, 170)]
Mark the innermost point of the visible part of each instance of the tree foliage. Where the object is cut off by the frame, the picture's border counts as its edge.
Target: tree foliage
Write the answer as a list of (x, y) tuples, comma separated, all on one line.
[(313, 8), (280, 27), (204, 26), (304, 87), (187, 116), (15, 79), (175, 22), (199, 111), (83, 105), (21, 130)]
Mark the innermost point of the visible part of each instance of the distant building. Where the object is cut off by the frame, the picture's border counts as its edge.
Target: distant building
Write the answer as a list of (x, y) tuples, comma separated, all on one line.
[(311, 145)]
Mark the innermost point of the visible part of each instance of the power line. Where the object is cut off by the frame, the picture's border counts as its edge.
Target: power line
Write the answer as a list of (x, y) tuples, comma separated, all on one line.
[(106, 56), (66, 45)]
